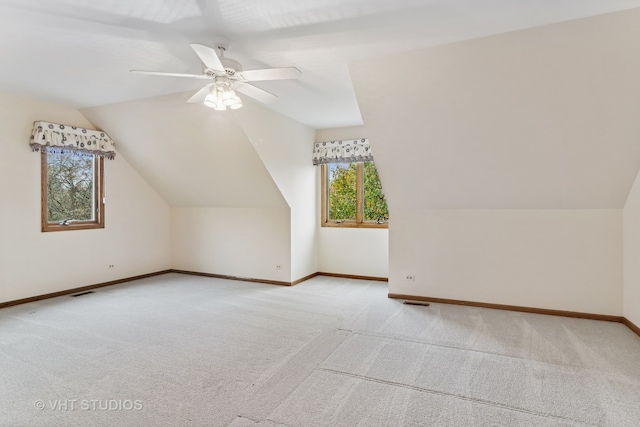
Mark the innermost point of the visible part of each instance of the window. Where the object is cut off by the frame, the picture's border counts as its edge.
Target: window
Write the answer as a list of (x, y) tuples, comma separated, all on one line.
[(352, 196), (72, 191)]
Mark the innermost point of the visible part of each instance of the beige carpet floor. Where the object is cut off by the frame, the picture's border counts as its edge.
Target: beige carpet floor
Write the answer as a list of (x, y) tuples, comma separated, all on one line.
[(178, 350)]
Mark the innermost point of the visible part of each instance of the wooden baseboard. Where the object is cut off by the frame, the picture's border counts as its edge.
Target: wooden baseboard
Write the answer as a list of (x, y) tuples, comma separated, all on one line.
[(143, 276), (275, 282), (243, 279), (157, 273), (351, 276), (629, 324), (305, 278), (580, 315), (604, 317), (80, 289)]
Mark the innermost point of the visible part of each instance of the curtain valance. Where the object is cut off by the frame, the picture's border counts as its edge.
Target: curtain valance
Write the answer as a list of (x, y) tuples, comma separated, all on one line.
[(56, 138), (342, 151)]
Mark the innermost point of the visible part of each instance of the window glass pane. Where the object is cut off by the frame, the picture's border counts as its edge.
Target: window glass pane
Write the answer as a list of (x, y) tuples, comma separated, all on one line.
[(70, 187), (342, 191), (375, 205)]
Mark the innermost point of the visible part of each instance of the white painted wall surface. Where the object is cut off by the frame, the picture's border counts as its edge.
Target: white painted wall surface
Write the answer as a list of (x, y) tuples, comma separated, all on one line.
[(511, 121), (136, 237), (241, 242), (284, 146), (192, 157), (355, 251), (361, 251), (337, 134), (506, 166), (553, 259), (631, 224), (205, 162)]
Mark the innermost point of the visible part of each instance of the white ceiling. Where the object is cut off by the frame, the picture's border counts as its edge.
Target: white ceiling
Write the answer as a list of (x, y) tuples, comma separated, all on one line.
[(191, 157), (79, 52)]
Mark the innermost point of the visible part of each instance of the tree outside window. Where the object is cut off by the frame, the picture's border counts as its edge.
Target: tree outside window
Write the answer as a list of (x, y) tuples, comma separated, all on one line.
[(72, 193), (353, 196)]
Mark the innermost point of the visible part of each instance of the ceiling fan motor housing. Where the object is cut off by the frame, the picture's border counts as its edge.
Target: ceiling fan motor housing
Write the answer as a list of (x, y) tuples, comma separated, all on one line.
[(231, 66)]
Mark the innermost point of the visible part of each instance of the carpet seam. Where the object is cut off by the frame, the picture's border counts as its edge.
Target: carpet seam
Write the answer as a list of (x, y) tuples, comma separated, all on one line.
[(278, 422), (311, 371), (242, 416), (258, 421), (456, 396), (417, 341)]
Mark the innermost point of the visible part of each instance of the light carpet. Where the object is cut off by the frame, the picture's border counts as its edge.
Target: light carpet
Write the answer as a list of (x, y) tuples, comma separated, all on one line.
[(178, 350)]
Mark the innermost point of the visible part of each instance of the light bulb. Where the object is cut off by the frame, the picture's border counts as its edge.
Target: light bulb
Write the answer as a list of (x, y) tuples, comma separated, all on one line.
[(211, 101), (229, 98), (215, 102)]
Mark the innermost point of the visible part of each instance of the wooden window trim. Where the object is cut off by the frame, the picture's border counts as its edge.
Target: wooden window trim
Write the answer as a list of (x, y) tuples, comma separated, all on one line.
[(324, 203), (98, 201), (359, 193)]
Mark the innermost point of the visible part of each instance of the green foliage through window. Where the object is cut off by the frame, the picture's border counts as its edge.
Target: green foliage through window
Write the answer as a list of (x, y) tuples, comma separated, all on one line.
[(342, 191), (70, 187), (343, 188), (375, 205)]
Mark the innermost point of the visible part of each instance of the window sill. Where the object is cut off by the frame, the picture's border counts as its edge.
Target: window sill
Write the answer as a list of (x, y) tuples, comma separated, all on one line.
[(352, 224), (74, 226)]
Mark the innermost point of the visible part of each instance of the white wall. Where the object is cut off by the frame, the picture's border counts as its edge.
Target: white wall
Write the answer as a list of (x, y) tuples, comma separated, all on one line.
[(338, 134), (362, 251), (506, 165), (204, 165), (543, 118), (136, 237), (192, 155), (554, 259), (631, 223), (354, 251), (285, 148), (240, 242)]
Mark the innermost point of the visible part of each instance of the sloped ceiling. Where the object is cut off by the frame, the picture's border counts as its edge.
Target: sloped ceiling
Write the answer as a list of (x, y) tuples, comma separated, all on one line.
[(193, 158), (539, 118), (79, 52)]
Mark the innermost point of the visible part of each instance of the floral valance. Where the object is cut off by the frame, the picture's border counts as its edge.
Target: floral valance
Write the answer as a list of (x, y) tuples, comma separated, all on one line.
[(56, 138), (342, 151)]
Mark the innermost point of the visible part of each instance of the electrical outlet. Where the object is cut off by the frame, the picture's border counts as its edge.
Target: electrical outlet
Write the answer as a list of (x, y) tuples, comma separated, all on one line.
[(278, 266), (111, 266), (409, 277)]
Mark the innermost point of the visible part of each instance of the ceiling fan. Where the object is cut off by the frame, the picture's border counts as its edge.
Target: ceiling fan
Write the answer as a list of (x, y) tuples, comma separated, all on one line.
[(226, 77)]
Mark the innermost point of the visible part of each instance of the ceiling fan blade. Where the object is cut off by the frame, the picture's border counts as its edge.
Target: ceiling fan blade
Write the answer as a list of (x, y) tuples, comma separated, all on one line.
[(208, 56), (269, 74), (159, 73), (256, 93), (200, 95)]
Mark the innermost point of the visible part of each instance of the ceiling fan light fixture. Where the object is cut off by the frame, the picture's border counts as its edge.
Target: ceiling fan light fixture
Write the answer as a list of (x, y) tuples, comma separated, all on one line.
[(229, 97), (215, 102), (210, 101), (225, 75)]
